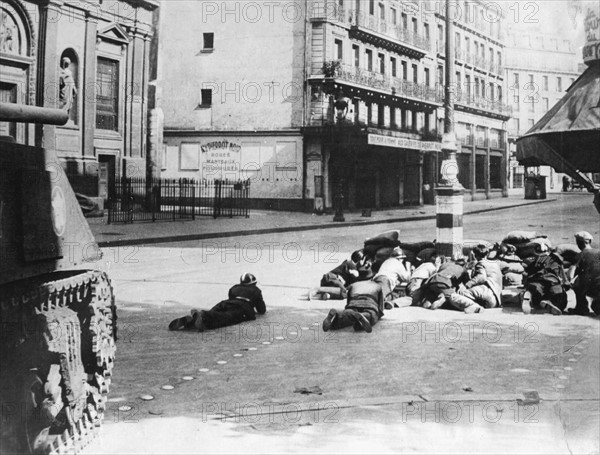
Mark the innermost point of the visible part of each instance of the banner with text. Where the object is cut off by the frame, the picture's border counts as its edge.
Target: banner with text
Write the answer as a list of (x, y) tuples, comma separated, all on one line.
[(403, 143)]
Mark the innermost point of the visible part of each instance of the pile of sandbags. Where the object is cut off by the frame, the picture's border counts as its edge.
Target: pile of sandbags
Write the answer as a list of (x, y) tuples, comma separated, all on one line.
[(381, 247), (526, 243)]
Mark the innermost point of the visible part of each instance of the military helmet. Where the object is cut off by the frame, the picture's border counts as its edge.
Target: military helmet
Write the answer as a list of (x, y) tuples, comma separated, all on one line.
[(247, 278)]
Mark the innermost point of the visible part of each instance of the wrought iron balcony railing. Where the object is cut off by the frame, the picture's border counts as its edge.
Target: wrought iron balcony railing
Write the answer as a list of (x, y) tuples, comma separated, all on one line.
[(482, 103), (392, 85)]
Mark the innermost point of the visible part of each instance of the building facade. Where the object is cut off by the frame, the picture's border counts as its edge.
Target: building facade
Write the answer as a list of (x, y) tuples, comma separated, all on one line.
[(313, 100), (90, 58), (540, 67)]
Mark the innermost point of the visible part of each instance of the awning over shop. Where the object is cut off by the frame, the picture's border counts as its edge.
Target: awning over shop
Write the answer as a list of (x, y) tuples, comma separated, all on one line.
[(568, 136)]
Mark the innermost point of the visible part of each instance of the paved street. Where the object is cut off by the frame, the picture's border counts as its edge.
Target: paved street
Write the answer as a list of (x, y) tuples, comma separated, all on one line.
[(422, 382)]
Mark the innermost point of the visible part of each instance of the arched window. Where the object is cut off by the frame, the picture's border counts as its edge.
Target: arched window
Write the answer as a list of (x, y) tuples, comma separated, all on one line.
[(69, 84)]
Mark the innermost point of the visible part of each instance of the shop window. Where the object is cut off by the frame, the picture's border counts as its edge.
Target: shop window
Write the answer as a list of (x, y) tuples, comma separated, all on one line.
[(464, 169), (495, 172), (107, 98), (480, 172)]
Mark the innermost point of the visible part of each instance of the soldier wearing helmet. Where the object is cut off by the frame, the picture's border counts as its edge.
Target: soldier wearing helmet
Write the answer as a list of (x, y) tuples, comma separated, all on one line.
[(344, 275), (244, 301)]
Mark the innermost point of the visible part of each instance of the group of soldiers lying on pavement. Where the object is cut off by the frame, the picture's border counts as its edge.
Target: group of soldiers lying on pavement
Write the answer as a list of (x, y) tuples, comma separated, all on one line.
[(524, 261), (387, 273)]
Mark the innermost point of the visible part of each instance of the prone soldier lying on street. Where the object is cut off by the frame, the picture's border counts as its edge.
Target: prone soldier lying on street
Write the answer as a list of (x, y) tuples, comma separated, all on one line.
[(586, 275), (546, 281), (420, 275), (391, 273), (484, 289), (244, 299), (438, 288), (363, 309), (343, 275)]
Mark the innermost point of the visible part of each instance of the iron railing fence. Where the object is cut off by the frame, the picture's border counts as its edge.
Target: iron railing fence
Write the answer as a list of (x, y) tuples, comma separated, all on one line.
[(135, 199)]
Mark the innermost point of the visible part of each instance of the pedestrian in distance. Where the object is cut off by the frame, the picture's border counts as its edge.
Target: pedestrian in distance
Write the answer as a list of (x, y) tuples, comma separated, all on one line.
[(484, 289), (364, 308), (585, 275), (244, 301), (546, 282), (566, 183)]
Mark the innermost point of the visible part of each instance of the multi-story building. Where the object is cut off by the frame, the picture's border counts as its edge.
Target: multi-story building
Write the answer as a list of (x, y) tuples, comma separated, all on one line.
[(319, 98), (90, 58), (540, 67)]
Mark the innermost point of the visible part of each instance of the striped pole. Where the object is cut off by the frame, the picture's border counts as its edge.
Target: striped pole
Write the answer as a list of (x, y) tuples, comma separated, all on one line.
[(449, 221), (449, 195)]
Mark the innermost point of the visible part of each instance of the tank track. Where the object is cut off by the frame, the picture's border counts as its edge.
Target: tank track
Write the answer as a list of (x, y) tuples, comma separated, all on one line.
[(62, 340)]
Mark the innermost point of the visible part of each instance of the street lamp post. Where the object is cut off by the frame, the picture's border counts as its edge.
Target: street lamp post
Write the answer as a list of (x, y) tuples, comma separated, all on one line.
[(341, 110), (449, 194)]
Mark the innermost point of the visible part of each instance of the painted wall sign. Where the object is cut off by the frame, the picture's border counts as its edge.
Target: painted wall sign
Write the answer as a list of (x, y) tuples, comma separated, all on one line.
[(220, 157)]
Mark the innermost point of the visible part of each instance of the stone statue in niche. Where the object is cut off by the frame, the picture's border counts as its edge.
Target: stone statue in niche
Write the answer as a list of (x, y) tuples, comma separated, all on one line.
[(9, 34), (67, 89)]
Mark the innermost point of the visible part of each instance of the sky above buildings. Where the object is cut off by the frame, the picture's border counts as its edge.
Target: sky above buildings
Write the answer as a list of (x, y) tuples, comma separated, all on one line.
[(561, 18)]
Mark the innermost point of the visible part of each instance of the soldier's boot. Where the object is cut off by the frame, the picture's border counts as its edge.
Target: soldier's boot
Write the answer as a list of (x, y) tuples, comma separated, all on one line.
[(526, 302), (197, 321), (362, 322), (180, 323), (328, 321), (551, 307)]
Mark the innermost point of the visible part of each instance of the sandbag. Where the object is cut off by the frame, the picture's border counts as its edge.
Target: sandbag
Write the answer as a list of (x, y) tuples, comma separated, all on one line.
[(383, 254), (417, 246), (529, 249), (370, 251), (386, 239), (517, 237), (426, 254)]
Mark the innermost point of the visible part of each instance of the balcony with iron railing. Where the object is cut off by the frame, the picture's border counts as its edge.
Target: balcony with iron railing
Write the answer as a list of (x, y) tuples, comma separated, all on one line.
[(360, 79), (374, 30), (476, 61), (480, 104)]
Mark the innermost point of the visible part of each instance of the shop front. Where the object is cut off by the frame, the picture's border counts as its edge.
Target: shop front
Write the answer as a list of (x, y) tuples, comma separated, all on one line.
[(376, 171)]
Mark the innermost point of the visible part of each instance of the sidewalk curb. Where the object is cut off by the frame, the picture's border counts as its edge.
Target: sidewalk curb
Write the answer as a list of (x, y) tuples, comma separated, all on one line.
[(311, 227)]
